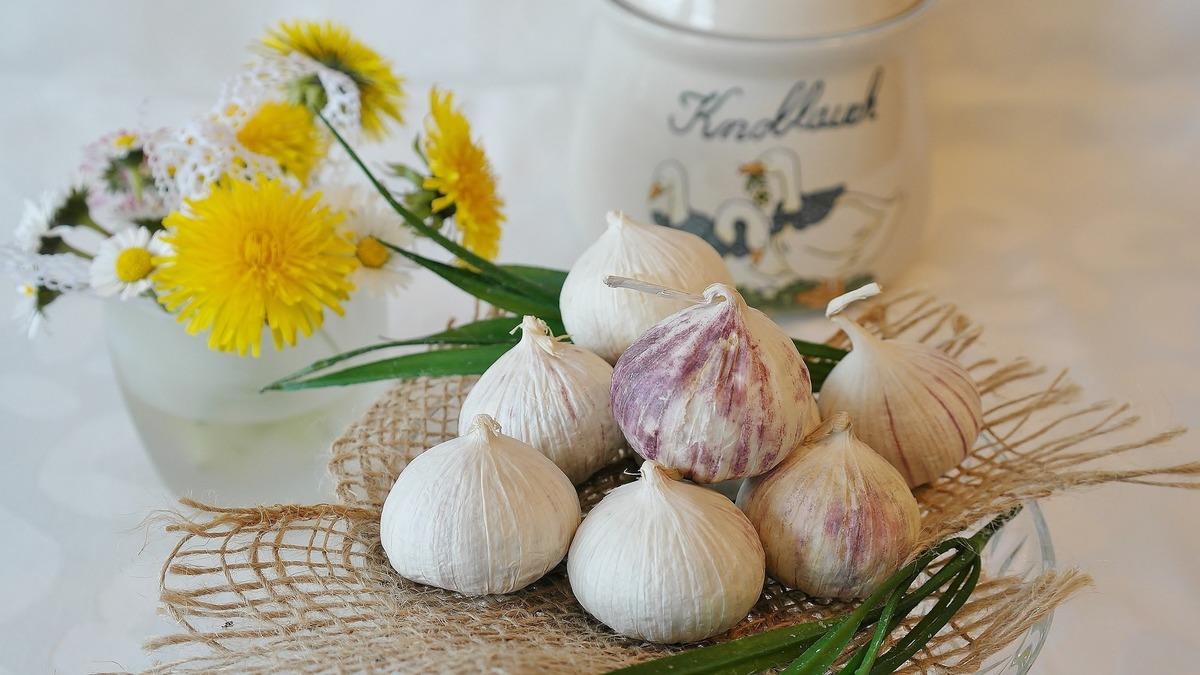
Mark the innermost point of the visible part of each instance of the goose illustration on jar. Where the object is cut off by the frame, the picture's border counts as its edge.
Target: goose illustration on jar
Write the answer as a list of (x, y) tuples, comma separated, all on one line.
[(789, 136)]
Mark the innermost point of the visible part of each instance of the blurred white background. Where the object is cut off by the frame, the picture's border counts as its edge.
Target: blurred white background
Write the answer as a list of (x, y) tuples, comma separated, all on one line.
[(1066, 149)]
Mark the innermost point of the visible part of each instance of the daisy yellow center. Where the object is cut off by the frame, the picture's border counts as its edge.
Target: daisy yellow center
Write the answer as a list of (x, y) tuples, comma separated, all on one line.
[(371, 253), (251, 255), (287, 134), (133, 264), (124, 141)]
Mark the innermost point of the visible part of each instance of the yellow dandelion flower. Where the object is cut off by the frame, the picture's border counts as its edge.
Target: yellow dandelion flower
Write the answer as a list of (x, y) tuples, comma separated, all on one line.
[(462, 176), (254, 253), (380, 93), (287, 134)]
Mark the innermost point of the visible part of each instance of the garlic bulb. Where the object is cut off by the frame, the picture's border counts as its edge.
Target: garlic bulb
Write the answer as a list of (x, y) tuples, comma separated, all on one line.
[(605, 321), (716, 391), (910, 402), (482, 513), (835, 519), (555, 397), (666, 561)]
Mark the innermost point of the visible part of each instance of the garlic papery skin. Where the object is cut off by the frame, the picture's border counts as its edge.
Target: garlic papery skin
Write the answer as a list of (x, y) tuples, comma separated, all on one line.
[(666, 561), (607, 321), (835, 519), (479, 514), (912, 403), (555, 397), (716, 391)]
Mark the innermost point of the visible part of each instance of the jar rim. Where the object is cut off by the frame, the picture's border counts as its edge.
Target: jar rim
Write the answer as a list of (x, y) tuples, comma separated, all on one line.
[(894, 22)]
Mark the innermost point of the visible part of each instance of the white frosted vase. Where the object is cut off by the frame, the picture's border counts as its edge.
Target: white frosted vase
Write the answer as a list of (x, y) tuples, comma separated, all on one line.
[(209, 429)]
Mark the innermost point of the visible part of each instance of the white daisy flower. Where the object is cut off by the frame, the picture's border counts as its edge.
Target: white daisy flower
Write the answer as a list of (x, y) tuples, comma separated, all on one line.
[(370, 221), (47, 223), (26, 312), (124, 262), (36, 220), (118, 174)]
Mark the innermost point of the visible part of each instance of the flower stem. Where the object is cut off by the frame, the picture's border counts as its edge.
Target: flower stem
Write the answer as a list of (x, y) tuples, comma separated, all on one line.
[(67, 248), (93, 225), (512, 280)]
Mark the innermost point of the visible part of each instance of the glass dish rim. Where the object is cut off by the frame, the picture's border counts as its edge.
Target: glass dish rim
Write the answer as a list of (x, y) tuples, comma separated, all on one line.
[(1019, 656)]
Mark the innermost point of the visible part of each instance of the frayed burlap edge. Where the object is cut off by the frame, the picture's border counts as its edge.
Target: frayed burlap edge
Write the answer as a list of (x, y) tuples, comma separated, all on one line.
[(307, 589)]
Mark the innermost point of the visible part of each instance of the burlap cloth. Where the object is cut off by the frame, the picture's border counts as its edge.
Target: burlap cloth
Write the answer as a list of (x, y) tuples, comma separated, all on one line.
[(290, 588)]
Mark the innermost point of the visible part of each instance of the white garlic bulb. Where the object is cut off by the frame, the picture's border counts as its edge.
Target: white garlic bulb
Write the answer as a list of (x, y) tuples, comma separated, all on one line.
[(835, 519), (716, 391), (910, 402), (605, 321), (666, 561), (482, 513), (555, 397)]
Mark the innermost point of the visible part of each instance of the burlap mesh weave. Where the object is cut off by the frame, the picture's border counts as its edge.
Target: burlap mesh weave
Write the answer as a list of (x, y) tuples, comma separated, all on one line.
[(307, 588)]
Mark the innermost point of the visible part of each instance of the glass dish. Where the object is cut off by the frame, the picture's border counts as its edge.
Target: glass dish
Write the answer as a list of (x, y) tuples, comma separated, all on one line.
[(1024, 549)]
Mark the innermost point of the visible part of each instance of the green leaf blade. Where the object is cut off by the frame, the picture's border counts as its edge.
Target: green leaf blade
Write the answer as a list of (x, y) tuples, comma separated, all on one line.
[(483, 332), (746, 655), (437, 363), (486, 288), (552, 279), (819, 351)]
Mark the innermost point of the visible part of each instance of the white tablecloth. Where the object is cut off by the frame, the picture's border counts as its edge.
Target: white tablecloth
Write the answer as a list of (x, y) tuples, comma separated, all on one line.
[(1066, 150)]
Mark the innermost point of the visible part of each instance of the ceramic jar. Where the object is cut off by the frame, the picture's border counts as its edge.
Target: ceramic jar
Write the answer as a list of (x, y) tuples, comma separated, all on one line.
[(798, 151)]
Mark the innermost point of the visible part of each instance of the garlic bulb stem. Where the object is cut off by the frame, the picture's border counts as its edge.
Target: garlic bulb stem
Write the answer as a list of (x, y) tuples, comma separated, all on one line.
[(613, 281), (536, 331), (857, 334), (714, 291), (839, 303), (839, 422), (658, 475), (833, 312), (484, 426)]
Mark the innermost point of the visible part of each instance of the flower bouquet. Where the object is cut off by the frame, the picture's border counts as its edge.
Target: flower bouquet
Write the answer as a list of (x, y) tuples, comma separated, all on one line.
[(243, 245), (247, 222)]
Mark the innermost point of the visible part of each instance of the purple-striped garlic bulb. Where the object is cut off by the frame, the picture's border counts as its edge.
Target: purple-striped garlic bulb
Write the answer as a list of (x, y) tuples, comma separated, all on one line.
[(912, 403), (552, 395), (835, 519), (716, 391)]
